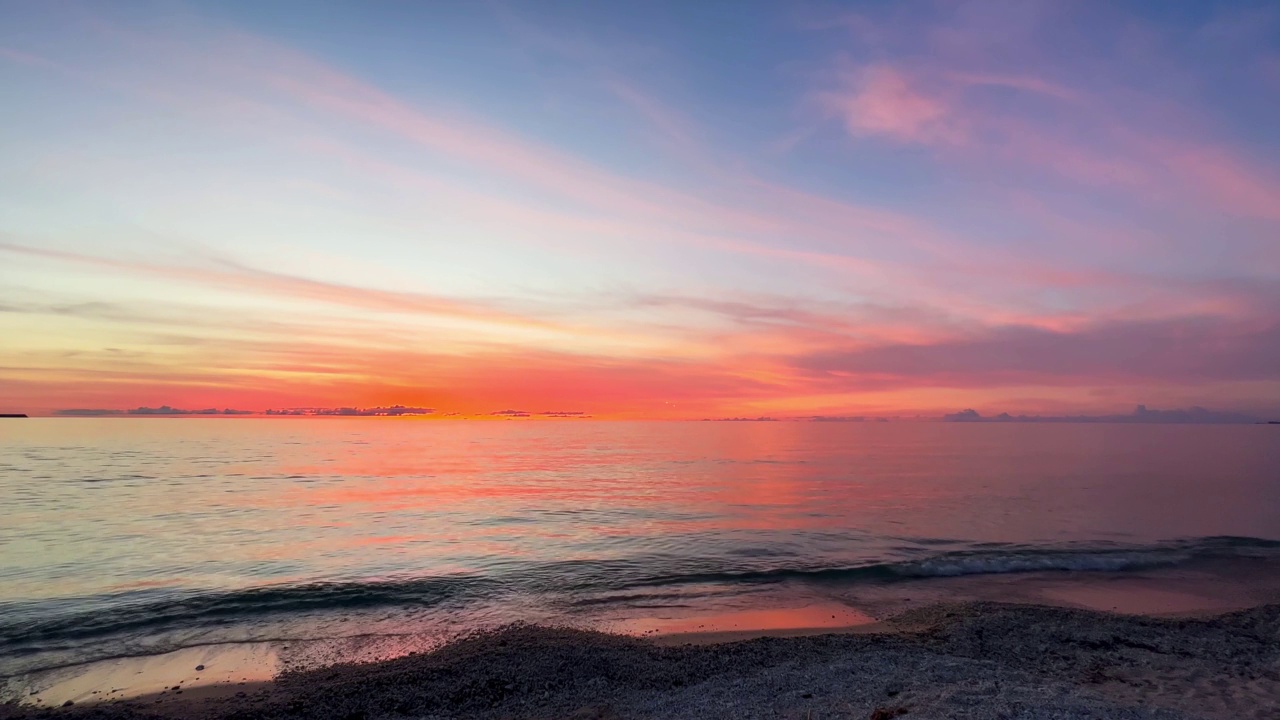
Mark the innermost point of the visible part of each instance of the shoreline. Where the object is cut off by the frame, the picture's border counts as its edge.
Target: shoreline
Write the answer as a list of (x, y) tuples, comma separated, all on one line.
[(972, 660), (204, 673)]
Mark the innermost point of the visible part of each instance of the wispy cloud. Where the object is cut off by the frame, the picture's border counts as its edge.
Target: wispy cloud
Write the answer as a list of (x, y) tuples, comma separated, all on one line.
[(993, 201), (1105, 137), (25, 58), (1016, 82), (1182, 350), (227, 273)]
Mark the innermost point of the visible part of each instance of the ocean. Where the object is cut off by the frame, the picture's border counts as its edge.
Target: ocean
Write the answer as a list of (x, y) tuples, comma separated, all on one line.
[(127, 537)]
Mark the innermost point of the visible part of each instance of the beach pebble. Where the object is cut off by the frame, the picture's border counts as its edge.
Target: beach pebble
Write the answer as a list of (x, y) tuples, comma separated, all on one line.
[(68, 703), (199, 668)]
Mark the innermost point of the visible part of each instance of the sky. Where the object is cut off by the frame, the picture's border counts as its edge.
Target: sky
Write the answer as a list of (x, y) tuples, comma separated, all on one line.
[(641, 209)]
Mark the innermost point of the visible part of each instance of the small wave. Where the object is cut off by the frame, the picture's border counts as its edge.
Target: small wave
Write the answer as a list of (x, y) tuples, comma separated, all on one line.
[(1000, 559), (25, 629), (998, 564)]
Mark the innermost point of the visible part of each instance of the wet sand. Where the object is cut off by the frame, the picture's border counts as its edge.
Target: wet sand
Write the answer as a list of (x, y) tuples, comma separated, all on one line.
[(975, 660)]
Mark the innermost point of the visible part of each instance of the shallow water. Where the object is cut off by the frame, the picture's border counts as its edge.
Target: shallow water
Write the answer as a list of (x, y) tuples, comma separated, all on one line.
[(126, 536)]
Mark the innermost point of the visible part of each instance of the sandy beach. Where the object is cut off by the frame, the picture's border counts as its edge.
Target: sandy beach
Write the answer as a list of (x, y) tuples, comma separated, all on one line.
[(976, 660)]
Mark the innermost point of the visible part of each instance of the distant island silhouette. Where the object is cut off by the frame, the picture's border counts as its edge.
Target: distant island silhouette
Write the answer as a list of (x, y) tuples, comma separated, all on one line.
[(12, 415), (1141, 414), (388, 411), (162, 410), (393, 411)]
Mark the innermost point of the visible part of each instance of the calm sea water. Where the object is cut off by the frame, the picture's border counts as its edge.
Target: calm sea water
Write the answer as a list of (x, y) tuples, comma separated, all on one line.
[(124, 536)]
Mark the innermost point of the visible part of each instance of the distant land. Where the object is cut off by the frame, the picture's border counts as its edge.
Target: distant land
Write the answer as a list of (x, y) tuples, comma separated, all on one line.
[(811, 418), (1140, 414), (392, 411), (162, 410), (388, 411), (544, 413), (12, 415)]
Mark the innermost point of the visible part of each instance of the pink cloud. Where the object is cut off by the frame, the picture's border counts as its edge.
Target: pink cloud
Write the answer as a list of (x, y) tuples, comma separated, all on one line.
[(1028, 144), (882, 100), (1227, 179), (930, 107), (1180, 350), (934, 107)]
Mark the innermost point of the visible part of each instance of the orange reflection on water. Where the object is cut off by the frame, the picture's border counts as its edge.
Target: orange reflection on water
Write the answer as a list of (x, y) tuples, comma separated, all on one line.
[(757, 620), (272, 501)]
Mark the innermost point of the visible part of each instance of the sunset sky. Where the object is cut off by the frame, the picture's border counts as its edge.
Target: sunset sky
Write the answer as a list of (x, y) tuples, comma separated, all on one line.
[(641, 209)]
